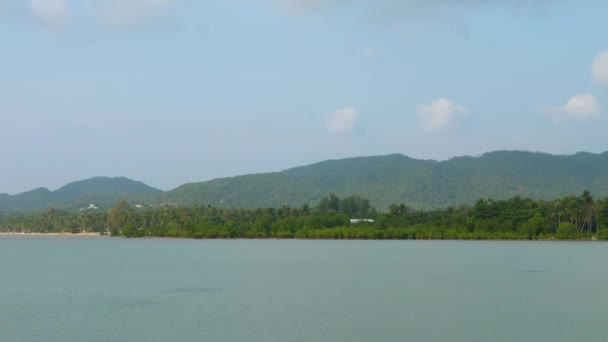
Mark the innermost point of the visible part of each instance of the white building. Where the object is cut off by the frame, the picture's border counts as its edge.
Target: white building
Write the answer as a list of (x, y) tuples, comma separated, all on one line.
[(356, 221)]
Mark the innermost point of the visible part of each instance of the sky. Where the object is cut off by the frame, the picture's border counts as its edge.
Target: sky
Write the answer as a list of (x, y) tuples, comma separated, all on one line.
[(175, 91)]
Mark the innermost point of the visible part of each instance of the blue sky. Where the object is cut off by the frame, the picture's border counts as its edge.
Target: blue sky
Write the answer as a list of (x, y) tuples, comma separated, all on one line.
[(175, 91)]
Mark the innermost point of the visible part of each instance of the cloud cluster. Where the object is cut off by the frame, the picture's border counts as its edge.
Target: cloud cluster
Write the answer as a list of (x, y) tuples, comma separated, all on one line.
[(440, 114), (581, 108), (584, 107), (342, 120), (599, 68)]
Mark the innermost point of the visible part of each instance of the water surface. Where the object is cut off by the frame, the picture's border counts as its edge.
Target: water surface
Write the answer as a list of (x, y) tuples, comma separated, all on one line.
[(58, 289)]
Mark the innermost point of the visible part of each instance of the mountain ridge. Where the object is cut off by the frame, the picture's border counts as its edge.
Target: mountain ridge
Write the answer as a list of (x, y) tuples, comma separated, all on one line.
[(385, 180), (99, 190), (396, 178)]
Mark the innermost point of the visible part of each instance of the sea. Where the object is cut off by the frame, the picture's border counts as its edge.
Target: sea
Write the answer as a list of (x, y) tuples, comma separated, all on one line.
[(78, 288)]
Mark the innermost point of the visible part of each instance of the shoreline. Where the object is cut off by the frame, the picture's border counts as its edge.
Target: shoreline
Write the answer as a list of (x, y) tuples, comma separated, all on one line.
[(49, 234), (288, 239)]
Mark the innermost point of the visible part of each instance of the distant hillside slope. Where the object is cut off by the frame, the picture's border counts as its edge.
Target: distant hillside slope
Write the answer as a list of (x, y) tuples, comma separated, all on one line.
[(102, 191), (399, 179), (384, 180)]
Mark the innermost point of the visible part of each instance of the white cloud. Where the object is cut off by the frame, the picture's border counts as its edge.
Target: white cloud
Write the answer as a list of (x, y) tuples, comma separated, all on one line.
[(342, 120), (440, 114), (50, 12), (600, 68), (582, 108)]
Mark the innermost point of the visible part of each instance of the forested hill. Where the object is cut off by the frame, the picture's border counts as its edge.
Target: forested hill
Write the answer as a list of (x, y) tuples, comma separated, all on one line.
[(399, 179), (101, 191), (384, 180)]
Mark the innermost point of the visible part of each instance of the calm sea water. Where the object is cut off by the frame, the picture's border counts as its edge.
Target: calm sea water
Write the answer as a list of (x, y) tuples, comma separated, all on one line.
[(104, 289)]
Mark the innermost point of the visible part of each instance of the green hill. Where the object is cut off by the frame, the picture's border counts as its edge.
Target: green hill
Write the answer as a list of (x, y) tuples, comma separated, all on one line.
[(384, 180), (400, 179), (101, 191), (33, 199)]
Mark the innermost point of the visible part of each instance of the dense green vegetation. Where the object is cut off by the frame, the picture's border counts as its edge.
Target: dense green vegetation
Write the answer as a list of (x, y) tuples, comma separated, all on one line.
[(571, 217), (423, 184)]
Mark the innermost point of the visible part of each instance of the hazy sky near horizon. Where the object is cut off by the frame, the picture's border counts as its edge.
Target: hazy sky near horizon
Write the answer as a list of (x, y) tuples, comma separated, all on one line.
[(176, 91)]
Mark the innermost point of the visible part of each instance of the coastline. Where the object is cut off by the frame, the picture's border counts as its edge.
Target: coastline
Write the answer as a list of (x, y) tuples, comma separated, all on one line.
[(591, 239), (49, 234)]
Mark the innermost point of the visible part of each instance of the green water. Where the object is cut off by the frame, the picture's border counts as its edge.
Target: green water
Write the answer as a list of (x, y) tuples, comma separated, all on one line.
[(104, 289)]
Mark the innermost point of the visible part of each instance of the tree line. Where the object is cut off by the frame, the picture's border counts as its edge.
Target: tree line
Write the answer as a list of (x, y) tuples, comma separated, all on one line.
[(570, 217)]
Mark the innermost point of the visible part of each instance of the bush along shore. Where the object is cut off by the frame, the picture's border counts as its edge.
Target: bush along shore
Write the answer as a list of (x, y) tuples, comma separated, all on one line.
[(570, 218)]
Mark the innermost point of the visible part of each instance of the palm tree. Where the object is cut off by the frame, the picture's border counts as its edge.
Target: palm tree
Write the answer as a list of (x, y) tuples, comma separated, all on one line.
[(588, 209)]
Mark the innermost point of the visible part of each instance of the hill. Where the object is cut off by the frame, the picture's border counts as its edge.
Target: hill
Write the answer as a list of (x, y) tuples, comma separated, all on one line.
[(385, 180), (102, 191), (399, 179)]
